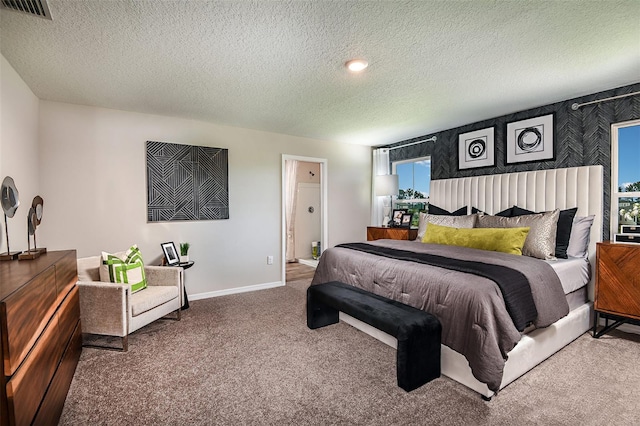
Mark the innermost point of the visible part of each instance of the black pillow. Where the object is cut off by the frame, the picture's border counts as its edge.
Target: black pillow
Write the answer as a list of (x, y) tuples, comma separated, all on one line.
[(565, 223), (506, 213), (519, 211), (503, 213), (438, 211)]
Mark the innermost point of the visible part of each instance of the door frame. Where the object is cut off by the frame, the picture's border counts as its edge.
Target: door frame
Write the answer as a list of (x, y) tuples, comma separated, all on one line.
[(324, 209)]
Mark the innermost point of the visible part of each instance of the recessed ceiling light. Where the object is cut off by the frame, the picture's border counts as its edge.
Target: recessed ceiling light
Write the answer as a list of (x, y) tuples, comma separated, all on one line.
[(356, 65)]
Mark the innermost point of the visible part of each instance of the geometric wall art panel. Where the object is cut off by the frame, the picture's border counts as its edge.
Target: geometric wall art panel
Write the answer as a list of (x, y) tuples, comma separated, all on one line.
[(186, 182)]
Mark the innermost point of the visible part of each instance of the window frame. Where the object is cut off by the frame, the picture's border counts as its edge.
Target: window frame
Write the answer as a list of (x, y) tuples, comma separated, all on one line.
[(412, 160), (614, 217)]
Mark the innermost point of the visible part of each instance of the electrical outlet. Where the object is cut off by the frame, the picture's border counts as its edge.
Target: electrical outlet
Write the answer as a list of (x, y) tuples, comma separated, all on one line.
[(269, 260)]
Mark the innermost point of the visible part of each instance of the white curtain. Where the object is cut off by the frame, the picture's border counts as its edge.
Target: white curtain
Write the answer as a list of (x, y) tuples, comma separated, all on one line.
[(380, 167), (291, 171)]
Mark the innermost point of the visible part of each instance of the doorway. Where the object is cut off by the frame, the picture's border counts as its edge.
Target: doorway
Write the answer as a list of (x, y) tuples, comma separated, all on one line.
[(304, 214)]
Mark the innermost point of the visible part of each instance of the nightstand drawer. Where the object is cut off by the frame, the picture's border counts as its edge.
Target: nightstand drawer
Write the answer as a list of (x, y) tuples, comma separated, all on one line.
[(381, 233), (618, 279)]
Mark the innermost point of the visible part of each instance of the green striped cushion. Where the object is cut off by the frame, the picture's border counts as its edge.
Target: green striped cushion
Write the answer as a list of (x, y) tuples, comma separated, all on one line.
[(126, 269)]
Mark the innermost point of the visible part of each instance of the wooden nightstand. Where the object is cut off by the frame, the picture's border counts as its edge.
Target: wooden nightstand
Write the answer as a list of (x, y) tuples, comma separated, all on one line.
[(381, 233), (617, 293)]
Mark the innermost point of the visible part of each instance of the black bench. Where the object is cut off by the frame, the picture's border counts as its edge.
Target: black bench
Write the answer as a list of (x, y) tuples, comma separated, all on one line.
[(418, 332)]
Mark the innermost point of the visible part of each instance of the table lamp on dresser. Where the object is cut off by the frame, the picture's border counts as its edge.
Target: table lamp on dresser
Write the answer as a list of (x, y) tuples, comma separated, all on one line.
[(386, 186)]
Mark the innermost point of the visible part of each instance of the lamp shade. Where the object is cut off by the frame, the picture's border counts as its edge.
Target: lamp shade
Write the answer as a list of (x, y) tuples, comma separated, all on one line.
[(386, 185)]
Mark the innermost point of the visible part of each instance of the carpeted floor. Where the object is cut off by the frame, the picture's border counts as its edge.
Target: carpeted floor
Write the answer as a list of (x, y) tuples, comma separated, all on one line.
[(250, 359)]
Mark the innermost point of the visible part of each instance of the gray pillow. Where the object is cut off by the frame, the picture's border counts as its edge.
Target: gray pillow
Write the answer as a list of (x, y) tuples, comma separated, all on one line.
[(467, 221), (579, 240), (541, 241)]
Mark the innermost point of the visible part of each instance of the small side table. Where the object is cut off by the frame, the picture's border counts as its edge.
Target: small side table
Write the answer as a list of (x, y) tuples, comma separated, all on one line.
[(185, 266)]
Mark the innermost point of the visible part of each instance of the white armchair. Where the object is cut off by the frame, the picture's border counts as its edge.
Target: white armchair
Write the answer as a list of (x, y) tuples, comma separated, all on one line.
[(110, 309)]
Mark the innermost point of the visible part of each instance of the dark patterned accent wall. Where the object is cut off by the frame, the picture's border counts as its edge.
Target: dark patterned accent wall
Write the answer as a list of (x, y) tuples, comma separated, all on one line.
[(186, 182), (582, 138)]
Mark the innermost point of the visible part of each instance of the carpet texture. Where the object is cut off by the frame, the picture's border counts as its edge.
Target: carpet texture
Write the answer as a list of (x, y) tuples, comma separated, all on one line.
[(250, 359)]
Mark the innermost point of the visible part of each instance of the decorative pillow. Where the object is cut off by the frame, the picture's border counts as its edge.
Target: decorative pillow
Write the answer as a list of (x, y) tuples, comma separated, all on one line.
[(541, 241), (435, 210), (506, 212), (565, 223), (104, 268), (467, 221), (124, 268), (579, 240), (519, 211), (505, 240), (503, 213)]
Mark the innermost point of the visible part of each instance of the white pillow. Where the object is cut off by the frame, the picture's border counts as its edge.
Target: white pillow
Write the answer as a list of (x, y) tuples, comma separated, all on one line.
[(467, 221), (579, 240)]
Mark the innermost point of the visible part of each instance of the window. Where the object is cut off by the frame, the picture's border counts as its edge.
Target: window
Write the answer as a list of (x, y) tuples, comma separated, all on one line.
[(414, 179), (625, 175)]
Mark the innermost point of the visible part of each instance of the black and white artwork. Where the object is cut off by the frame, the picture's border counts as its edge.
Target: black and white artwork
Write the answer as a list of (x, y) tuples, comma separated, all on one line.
[(476, 149), (530, 140), (170, 253), (186, 182)]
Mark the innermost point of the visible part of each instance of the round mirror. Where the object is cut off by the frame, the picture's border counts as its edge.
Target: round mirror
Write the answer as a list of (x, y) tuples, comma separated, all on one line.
[(32, 221), (9, 196), (38, 204)]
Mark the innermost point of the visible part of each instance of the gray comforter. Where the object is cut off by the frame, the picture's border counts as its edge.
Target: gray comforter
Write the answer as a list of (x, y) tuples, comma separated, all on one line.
[(475, 322)]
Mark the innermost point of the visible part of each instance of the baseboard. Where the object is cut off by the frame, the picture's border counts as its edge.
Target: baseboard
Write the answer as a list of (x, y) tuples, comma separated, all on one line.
[(309, 262), (630, 328), (236, 290), (626, 328)]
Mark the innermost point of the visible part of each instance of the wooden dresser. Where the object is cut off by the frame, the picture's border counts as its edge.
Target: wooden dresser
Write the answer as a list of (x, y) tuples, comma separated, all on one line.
[(381, 233), (40, 336), (617, 292)]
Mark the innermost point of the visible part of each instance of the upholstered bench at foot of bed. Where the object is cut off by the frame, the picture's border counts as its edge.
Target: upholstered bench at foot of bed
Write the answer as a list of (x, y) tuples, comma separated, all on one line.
[(418, 332)]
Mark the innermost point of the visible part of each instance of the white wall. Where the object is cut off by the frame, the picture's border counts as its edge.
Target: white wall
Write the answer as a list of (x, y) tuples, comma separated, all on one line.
[(93, 182), (18, 152)]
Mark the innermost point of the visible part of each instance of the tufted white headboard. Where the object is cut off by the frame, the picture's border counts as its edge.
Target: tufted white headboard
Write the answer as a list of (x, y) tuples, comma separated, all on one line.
[(539, 190)]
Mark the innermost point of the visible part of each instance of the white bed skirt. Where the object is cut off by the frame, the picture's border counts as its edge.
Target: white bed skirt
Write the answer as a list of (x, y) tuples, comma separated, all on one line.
[(530, 351)]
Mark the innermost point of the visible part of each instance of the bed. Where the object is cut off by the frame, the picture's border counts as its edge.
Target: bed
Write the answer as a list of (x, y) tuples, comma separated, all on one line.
[(515, 351)]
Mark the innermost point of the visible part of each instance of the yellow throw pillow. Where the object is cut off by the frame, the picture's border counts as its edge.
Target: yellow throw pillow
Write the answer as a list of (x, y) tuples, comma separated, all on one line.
[(505, 240)]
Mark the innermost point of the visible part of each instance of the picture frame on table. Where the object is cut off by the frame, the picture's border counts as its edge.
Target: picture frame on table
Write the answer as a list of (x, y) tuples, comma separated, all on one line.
[(396, 217), (406, 220), (170, 253), (530, 140), (477, 149)]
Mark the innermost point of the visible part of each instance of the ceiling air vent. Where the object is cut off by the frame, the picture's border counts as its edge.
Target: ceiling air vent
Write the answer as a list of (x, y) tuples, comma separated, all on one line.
[(38, 8)]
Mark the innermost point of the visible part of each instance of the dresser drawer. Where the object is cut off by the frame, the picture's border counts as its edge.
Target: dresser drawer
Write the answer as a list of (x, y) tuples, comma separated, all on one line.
[(69, 314), (53, 403), (26, 313), (29, 384), (66, 275), (40, 336)]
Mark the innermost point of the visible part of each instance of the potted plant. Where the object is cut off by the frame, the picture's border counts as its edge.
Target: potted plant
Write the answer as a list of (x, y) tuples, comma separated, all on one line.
[(184, 252)]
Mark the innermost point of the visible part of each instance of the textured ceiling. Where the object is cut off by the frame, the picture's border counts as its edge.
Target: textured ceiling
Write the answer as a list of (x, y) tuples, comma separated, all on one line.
[(279, 65)]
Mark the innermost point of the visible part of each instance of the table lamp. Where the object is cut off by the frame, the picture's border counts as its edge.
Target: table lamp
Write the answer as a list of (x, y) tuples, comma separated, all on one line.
[(386, 186)]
